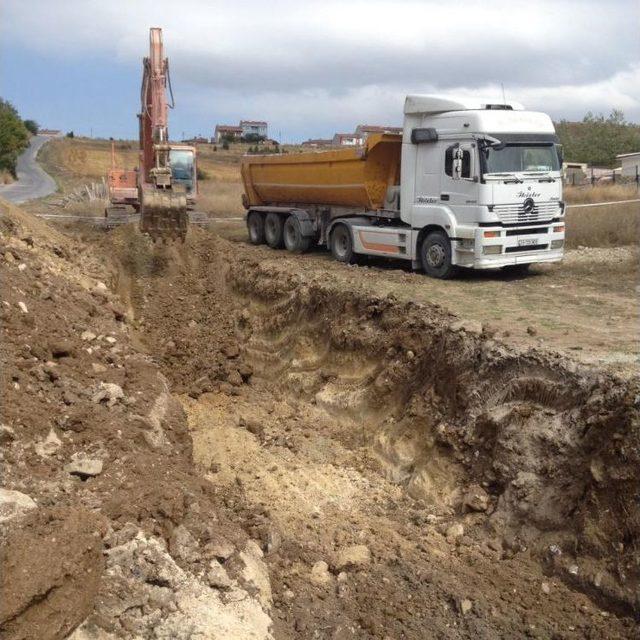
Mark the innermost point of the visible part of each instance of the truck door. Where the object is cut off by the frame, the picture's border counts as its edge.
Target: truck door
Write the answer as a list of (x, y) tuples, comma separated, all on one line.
[(459, 182)]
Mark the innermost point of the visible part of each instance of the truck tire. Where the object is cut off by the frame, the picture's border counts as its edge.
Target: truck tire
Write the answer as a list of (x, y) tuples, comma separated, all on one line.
[(342, 244), (294, 241), (435, 256), (255, 227), (273, 230)]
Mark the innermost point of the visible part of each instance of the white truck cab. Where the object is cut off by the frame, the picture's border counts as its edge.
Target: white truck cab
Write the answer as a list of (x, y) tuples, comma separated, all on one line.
[(481, 185)]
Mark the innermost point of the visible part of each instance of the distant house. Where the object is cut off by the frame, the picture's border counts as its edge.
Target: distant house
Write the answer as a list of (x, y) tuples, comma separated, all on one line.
[(364, 130), (226, 132), (49, 132), (254, 128), (629, 164), (346, 140), (317, 142)]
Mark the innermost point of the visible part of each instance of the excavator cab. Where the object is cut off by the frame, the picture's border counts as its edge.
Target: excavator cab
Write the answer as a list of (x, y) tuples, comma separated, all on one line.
[(182, 160)]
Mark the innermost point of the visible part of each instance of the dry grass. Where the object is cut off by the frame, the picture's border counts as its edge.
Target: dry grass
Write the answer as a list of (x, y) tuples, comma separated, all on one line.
[(609, 226), (606, 226), (78, 161), (600, 193)]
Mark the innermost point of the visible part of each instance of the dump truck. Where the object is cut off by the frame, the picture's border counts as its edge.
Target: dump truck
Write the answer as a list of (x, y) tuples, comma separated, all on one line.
[(468, 183)]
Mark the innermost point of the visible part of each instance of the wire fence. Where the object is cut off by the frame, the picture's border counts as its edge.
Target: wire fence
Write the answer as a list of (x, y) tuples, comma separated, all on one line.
[(597, 177)]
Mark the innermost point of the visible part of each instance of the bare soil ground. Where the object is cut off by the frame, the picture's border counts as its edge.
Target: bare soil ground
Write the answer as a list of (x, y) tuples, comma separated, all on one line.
[(213, 440)]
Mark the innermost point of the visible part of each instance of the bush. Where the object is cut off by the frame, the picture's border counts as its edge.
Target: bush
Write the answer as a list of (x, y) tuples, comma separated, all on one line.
[(253, 137), (14, 137), (225, 145), (201, 174), (32, 126), (70, 134)]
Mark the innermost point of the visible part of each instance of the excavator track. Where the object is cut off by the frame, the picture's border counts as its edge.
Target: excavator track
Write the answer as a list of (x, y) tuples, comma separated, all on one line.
[(164, 214)]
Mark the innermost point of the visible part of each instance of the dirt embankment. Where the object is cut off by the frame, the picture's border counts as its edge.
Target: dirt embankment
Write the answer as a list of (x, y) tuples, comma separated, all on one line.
[(106, 528), (464, 473), (402, 472)]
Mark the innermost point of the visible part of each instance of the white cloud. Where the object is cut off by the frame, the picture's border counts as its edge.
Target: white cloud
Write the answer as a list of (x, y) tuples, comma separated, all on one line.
[(318, 65)]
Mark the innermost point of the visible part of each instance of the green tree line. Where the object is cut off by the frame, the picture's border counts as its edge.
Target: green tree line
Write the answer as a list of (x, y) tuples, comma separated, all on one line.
[(597, 140), (14, 135)]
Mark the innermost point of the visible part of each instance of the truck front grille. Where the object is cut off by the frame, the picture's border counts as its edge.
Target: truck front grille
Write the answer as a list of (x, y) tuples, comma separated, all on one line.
[(515, 213)]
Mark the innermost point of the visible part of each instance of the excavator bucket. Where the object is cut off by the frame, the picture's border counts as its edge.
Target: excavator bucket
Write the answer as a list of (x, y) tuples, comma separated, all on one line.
[(164, 214)]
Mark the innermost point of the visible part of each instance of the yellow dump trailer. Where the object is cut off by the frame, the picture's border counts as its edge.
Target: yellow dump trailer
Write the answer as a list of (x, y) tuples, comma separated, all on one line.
[(353, 177)]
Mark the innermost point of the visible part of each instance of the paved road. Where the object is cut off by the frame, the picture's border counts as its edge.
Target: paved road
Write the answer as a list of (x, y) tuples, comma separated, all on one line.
[(33, 181)]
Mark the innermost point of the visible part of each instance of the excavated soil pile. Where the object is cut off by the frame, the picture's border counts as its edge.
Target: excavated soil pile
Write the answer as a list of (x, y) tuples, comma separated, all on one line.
[(106, 529), (210, 445), (483, 491)]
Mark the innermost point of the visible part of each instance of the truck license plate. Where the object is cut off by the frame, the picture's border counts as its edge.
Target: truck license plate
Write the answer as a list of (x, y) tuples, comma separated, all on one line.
[(525, 242)]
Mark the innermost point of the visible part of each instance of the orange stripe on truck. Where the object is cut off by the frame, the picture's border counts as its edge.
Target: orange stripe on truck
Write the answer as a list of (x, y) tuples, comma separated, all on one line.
[(377, 246)]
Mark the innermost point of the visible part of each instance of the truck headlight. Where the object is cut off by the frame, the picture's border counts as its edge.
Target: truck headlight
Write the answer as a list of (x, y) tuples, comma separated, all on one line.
[(557, 244), (492, 249)]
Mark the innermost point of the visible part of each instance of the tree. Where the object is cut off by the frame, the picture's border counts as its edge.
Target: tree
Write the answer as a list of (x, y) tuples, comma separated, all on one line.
[(32, 126), (14, 136), (70, 134), (597, 140), (253, 137)]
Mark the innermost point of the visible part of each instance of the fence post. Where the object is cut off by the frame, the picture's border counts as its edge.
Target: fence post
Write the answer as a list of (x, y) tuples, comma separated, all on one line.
[(637, 178), (613, 176), (593, 178)]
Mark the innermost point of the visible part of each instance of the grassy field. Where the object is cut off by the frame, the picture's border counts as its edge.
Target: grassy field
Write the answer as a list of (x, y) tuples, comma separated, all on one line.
[(606, 226)]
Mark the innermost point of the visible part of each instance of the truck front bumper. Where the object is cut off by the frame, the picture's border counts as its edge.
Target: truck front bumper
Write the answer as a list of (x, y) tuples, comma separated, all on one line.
[(494, 247)]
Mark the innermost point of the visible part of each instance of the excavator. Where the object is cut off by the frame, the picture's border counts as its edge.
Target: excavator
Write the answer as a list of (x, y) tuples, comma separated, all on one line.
[(164, 186)]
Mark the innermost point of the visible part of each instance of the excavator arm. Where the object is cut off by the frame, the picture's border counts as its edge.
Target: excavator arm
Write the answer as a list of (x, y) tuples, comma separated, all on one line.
[(163, 200)]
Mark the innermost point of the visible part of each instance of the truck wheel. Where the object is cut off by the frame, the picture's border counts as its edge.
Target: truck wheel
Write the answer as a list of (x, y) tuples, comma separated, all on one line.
[(342, 244), (435, 256), (294, 241), (255, 226), (273, 230)]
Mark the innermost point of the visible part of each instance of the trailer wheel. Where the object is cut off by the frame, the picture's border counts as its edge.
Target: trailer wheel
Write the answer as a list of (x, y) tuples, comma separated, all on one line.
[(342, 244), (255, 226), (274, 230), (294, 241), (435, 256)]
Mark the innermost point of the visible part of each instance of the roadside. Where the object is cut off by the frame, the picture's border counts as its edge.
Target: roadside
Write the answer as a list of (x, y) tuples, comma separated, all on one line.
[(33, 181)]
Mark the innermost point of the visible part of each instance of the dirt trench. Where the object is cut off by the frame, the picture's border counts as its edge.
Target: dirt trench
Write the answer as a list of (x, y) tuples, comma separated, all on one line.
[(407, 474)]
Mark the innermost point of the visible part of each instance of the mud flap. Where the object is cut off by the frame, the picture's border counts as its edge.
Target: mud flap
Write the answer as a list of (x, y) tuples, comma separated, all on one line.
[(164, 214)]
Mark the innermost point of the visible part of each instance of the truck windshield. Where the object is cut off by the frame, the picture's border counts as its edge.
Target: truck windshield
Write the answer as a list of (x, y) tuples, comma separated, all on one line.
[(181, 161), (517, 158)]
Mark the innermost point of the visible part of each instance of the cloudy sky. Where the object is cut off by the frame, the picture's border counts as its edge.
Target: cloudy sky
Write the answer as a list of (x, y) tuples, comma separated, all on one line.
[(311, 68)]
